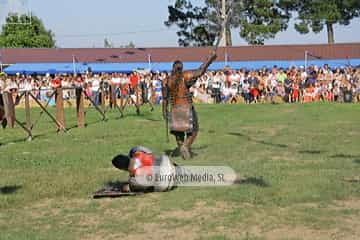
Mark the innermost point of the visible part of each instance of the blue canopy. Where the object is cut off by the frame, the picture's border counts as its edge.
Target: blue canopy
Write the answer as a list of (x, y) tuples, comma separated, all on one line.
[(70, 68)]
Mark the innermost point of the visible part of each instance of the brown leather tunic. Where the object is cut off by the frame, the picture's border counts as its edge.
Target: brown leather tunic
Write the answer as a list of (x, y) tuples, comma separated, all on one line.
[(180, 94), (2, 112)]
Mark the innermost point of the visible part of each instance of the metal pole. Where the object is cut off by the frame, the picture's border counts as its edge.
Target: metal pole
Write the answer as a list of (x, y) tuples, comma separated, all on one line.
[(74, 68), (149, 59), (226, 58)]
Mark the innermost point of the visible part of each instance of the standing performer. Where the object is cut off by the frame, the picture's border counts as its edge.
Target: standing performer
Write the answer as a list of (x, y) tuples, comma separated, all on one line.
[(3, 119), (182, 117)]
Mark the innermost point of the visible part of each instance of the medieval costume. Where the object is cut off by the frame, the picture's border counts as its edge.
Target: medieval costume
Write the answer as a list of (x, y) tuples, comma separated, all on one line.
[(182, 116), (3, 119), (143, 167)]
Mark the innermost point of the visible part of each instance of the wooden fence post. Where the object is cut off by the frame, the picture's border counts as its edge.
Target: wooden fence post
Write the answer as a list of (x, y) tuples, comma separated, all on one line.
[(60, 108), (9, 108)]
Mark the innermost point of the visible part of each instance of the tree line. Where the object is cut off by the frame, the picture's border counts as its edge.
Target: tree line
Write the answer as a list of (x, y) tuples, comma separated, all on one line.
[(199, 25), (257, 20)]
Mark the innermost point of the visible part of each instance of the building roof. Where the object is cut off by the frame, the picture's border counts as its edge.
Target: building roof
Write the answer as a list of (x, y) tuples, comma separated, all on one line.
[(132, 55)]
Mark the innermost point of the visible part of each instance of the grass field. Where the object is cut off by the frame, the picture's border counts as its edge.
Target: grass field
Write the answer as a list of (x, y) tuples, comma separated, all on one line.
[(293, 159)]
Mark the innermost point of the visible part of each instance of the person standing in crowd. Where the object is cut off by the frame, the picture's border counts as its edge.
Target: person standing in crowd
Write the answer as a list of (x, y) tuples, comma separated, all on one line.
[(95, 89), (225, 92), (3, 119), (281, 76), (295, 94), (273, 84), (216, 92), (254, 86), (233, 94), (157, 86), (246, 91), (288, 89)]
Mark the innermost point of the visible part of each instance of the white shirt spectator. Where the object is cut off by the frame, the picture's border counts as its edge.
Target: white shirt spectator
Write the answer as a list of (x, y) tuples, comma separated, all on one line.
[(95, 85), (234, 78), (28, 85), (115, 81), (226, 91), (233, 90)]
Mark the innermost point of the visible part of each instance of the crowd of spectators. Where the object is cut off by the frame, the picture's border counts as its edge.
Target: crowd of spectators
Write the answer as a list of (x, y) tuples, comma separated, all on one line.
[(295, 84)]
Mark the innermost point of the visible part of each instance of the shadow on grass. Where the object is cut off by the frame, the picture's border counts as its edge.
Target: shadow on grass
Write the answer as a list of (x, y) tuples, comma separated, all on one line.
[(200, 147), (9, 189), (22, 140), (172, 153), (86, 124), (118, 186), (153, 120), (310, 152), (357, 161), (341, 155), (259, 182), (115, 185), (279, 145), (175, 153)]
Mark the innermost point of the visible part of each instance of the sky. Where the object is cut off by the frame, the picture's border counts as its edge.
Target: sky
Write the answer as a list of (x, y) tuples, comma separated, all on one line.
[(84, 23)]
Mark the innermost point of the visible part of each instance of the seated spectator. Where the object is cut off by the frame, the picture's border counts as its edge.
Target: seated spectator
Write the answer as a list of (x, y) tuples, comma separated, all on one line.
[(295, 92), (225, 93), (308, 94), (233, 94), (246, 92), (288, 88)]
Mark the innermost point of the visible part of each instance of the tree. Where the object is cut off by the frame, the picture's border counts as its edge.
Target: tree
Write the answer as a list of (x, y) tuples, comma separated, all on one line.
[(131, 44), (316, 14), (260, 20), (23, 31), (108, 43), (195, 27), (257, 20)]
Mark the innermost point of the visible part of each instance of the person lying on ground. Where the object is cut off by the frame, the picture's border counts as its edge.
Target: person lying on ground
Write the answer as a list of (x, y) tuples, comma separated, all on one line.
[(142, 166)]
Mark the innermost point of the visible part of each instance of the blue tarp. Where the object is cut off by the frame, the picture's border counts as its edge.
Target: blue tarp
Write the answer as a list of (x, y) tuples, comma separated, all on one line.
[(69, 68)]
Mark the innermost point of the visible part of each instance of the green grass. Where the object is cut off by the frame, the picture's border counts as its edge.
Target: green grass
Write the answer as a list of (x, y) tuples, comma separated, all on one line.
[(294, 158)]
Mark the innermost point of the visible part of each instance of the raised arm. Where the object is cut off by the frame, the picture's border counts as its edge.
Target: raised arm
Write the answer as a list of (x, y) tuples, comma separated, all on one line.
[(192, 76)]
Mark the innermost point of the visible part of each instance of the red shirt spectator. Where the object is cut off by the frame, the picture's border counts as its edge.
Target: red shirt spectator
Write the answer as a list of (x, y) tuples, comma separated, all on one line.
[(56, 83), (125, 90), (134, 80)]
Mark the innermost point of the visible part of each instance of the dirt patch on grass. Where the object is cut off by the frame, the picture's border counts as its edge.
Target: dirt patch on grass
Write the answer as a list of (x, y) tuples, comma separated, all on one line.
[(90, 221), (298, 232), (161, 231), (200, 210), (150, 231), (349, 204)]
